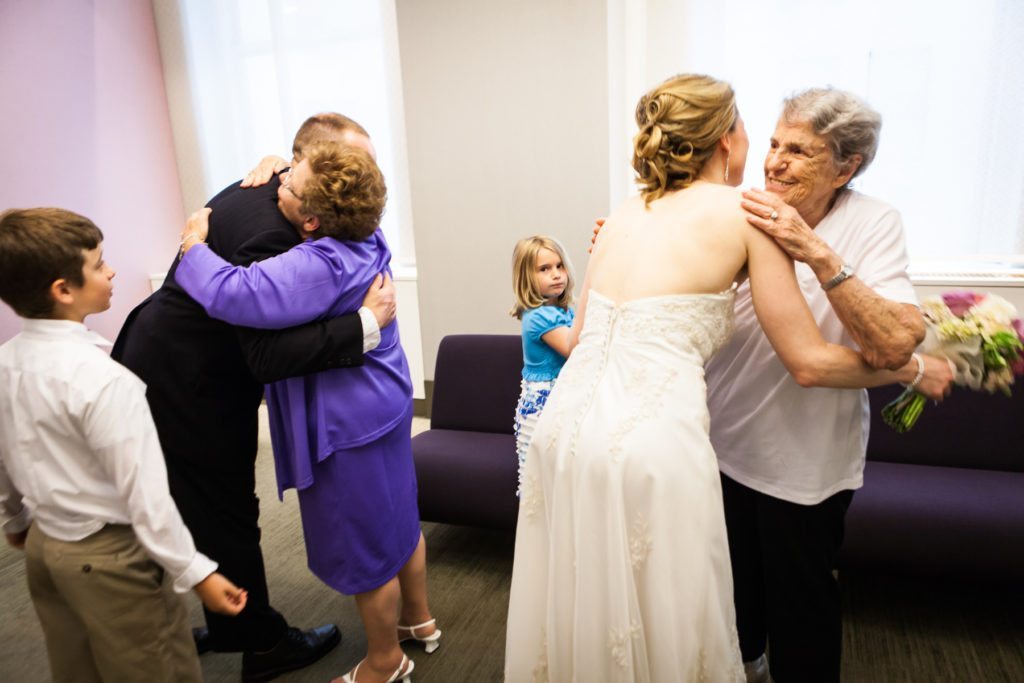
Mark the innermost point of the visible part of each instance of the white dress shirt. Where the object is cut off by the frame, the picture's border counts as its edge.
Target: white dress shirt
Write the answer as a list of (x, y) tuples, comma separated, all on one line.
[(79, 450), (371, 330)]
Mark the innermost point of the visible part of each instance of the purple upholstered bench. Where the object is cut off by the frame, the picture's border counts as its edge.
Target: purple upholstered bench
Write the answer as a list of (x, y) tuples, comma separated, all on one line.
[(466, 462), (947, 498)]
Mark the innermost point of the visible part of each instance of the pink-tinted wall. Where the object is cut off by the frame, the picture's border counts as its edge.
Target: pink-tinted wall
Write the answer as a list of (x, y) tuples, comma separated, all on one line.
[(84, 125)]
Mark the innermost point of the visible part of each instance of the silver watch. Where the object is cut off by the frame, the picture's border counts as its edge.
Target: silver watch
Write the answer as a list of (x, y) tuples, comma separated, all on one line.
[(845, 273)]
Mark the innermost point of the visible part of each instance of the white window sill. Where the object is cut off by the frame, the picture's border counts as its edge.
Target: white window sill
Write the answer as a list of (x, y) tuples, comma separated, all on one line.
[(979, 272)]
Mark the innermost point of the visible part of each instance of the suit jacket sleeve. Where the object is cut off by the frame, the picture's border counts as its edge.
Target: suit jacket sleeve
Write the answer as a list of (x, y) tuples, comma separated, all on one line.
[(273, 355)]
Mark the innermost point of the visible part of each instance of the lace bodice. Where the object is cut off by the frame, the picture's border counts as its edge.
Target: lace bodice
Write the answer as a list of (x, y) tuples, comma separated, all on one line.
[(697, 324)]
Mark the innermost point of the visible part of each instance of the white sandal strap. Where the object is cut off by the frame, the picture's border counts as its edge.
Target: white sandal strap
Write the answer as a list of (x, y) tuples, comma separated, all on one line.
[(400, 672), (412, 629)]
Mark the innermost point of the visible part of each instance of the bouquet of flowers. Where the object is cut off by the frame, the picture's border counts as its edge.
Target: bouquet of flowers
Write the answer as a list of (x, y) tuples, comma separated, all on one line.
[(981, 336)]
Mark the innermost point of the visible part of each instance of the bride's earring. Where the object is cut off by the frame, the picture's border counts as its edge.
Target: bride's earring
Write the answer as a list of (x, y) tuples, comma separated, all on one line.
[(728, 156)]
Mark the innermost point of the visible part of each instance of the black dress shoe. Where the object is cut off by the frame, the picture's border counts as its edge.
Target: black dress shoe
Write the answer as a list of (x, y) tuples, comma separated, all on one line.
[(201, 637), (294, 651)]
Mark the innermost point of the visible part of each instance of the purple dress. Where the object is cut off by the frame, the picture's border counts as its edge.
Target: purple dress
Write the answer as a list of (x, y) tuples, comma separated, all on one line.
[(341, 437)]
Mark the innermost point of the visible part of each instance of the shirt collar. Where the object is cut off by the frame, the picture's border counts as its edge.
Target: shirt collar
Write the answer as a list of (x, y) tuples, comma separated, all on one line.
[(51, 329)]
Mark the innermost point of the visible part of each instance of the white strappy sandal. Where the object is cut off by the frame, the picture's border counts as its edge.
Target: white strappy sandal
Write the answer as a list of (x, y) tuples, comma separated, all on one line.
[(402, 673), (430, 642)]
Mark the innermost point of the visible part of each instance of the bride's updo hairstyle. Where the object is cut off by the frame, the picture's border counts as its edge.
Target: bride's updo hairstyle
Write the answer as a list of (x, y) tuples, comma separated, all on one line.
[(680, 123)]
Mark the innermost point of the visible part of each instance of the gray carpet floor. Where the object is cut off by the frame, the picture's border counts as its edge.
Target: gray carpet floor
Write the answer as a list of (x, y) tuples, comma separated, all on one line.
[(895, 630)]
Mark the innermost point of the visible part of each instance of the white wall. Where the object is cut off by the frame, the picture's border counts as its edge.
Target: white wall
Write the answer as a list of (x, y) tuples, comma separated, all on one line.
[(506, 122)]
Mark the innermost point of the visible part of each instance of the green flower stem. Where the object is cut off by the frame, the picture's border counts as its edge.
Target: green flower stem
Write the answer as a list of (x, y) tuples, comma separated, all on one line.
[(902, 413)]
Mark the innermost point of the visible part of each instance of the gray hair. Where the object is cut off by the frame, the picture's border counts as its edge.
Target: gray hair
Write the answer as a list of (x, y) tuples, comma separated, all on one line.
[(846, 121)]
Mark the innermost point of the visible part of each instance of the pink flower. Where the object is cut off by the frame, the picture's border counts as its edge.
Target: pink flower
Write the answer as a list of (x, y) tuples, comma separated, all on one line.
[(1018, 325), (961, 301)]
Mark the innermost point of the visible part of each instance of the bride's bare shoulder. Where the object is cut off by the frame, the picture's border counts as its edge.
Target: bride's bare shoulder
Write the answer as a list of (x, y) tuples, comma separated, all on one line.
[(722, 202)]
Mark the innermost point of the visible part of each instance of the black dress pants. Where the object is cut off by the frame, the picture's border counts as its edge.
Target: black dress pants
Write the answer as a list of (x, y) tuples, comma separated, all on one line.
[(221, 510), (786, 596)]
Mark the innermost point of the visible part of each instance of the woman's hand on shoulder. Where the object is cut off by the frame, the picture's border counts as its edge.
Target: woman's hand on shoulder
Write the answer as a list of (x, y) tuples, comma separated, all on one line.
[(266, 169), (785, 225)]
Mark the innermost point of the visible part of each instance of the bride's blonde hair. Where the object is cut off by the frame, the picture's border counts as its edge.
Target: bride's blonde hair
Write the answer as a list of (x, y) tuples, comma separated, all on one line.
[(681, 122)]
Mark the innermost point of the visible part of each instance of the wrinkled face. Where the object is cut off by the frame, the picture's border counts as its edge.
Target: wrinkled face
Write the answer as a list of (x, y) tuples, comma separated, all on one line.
[(93, 296), (289, 193), (549, 274), (801, 169)]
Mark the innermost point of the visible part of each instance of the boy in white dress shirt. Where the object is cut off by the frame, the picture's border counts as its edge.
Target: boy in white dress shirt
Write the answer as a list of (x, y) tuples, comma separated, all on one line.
[(83, 486)]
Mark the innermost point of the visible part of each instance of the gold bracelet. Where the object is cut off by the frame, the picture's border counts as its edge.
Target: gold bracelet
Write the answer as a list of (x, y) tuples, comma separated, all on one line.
[(186, 238)]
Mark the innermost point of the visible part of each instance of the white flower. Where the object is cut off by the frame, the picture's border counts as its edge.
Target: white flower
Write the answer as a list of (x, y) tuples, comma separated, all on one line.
[(993, 312)]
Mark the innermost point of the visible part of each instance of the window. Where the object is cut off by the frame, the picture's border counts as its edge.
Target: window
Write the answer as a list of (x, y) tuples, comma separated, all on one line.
[(948, 79), (258, 68)]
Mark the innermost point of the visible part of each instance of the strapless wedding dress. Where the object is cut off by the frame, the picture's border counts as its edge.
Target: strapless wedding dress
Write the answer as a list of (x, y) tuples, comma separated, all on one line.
[(621, 566)]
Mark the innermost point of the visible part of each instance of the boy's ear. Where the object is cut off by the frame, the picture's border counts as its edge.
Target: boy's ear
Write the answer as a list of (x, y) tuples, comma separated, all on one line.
[(60, 292)]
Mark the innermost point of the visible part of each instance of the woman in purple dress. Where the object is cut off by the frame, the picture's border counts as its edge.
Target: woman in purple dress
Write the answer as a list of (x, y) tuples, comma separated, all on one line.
[(340, 437)]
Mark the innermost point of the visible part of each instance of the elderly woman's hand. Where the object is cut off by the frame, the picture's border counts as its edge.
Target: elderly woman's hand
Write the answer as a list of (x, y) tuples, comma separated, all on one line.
[(267, 168), (196, 228), (937, 378), (769, 213)]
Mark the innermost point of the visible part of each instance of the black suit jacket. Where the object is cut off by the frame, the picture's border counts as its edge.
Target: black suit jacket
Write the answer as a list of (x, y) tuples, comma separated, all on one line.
[(204, 377)]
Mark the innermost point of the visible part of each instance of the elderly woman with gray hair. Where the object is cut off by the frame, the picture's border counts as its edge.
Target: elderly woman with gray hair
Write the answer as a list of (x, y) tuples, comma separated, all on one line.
[(791, 457)]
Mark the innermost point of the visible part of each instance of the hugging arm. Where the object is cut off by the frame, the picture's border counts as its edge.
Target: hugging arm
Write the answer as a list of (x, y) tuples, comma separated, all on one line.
[(273, 355), (338, 342), (282, 291), (886, 331), (569, 337), (787, 321)]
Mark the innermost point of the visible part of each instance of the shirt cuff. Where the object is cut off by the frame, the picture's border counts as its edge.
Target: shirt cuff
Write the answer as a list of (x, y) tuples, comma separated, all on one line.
[(198, 569), (371, 331), (18, 523)]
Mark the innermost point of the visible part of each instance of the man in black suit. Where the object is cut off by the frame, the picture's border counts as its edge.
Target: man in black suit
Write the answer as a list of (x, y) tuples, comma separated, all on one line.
[(204, 385)]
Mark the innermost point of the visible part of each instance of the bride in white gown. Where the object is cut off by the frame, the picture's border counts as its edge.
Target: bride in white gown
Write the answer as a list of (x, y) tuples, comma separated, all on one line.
[(621, 566)]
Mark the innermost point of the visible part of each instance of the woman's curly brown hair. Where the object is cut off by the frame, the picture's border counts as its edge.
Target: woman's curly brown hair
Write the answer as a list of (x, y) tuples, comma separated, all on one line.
[(345, 191), (680, 122)]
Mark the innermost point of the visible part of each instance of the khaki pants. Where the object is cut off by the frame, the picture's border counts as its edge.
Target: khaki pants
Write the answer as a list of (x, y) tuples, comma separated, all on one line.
[(107, 610)]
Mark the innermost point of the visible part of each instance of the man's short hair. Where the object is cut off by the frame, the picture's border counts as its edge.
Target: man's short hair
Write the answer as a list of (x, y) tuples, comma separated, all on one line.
[(325, 126), (38, 247), (345, 191)]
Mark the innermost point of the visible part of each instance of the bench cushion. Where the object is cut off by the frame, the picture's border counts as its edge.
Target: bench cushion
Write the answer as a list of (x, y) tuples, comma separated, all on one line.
[(476, 382), (467, 477), (937, 521), (969, 429)]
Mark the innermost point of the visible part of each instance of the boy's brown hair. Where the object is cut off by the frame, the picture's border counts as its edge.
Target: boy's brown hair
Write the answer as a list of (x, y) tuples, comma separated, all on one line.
[(37, 247), (345, 191)]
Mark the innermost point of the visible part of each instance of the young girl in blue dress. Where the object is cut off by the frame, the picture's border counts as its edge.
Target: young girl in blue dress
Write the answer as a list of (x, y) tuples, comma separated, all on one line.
[(542, 280)]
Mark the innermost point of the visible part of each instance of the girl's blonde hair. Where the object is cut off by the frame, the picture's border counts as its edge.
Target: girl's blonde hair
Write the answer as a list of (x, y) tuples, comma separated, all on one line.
[(524, 280), (680, 124)]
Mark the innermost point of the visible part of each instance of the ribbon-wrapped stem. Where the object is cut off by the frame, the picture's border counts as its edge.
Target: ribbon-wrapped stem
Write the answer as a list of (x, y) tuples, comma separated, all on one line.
[(902, 413)]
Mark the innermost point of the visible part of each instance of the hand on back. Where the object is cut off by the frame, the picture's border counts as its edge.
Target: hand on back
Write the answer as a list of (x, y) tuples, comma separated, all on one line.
[(266, 169), (380, 299)]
